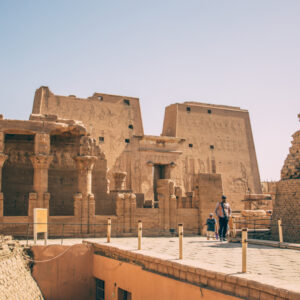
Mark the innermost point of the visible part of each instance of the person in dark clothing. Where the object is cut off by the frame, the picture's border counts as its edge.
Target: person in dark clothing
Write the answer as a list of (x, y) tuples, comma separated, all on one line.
[(211, 224), (223, 211)]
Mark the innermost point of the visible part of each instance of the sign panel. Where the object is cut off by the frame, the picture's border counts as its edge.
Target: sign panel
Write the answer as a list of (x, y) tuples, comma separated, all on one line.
[(40, 220)]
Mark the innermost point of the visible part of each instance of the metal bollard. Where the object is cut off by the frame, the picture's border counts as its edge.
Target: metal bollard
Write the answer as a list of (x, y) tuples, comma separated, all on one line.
[(244, 249), (140, 226), (180, 234), (108, 229), (280, 231)]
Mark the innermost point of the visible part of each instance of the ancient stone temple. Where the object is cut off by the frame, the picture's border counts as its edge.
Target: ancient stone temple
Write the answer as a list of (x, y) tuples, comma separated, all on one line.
[(87, 159), (287, 200)]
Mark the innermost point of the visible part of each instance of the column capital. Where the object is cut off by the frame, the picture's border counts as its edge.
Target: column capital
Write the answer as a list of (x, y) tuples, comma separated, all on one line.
[(120, 180), (85, 163), (41, 161), (3, 158)]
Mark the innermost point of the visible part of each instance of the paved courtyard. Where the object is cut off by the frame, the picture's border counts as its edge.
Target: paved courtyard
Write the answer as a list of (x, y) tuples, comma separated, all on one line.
[(274, 266)]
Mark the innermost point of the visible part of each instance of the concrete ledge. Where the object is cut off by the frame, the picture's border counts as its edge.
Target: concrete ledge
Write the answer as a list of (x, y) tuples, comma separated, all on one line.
[(225, 283)]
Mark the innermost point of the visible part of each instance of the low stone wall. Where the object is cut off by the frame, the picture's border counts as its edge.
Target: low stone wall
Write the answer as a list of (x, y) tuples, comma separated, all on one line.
[(221, 282), (287, 208), (16, 281)]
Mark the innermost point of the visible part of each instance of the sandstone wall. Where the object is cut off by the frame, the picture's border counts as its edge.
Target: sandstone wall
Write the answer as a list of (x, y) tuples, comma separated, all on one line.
[(189, 218), (16, 281), (286, 207), (287, 201), (146, 153), (208, 191), (218, 140), (109, 119)]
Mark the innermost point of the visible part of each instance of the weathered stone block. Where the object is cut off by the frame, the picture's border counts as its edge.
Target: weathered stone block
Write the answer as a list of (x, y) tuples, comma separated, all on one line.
[(241, 291), (266, 296), (228, 287)]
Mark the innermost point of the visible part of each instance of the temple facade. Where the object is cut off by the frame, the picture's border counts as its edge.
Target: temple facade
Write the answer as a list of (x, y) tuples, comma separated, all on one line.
[(89, 159)]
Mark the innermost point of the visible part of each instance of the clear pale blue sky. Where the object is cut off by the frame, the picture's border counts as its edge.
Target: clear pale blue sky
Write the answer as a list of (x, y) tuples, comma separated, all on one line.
[(241, 53)]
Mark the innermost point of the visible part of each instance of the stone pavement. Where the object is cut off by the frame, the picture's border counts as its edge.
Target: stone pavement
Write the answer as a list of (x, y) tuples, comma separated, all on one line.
[(268, 265)]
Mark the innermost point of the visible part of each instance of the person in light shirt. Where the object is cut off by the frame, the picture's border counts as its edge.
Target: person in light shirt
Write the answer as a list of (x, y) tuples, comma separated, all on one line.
[(223, 212)]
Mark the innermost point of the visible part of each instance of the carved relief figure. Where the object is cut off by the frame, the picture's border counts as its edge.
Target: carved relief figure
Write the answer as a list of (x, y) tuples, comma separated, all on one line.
[(85, 146)]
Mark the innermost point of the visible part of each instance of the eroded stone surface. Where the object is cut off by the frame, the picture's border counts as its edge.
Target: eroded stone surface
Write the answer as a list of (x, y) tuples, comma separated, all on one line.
[(16, 281)]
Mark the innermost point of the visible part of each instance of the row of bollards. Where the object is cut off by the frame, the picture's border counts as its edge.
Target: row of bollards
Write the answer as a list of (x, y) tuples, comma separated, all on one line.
[(140, 230), (180, 235)]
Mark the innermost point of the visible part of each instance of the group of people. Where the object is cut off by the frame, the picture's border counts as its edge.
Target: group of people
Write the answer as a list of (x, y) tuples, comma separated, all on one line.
[(223, 212)]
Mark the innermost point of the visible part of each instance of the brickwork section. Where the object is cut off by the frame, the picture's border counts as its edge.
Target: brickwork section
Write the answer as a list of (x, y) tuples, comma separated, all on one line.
[(16, 281), (235, 285), (287, 201), (287, 208), (291, 168)]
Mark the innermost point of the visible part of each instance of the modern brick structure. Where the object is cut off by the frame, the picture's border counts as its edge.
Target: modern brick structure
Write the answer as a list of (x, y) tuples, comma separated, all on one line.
[(88, 159)]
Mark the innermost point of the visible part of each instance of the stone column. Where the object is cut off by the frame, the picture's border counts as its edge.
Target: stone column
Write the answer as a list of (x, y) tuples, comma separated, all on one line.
[(84, 202), (120, 181), (41, 161), (3, 157), (125, 204), (41, 165)]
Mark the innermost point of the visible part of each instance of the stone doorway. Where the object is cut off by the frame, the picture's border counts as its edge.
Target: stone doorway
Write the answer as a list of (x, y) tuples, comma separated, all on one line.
[(160, 171)]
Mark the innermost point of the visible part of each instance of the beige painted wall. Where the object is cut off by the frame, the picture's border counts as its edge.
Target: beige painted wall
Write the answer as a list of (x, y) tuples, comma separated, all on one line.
[(146, 285), (66, 277)]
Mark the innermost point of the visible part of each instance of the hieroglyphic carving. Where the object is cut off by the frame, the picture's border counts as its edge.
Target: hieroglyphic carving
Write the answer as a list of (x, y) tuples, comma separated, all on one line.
[(86, 144), (218, 124), (201, 166), (21, 157), (63, 160), (239, 184), (42, 143)]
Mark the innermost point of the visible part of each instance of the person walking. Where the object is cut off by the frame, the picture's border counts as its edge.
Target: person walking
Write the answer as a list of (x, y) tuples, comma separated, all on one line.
[(211, 224), (223, 212)]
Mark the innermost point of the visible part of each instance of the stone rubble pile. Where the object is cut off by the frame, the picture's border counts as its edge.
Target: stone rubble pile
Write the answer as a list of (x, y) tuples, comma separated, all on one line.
[(16, 281), (291, 168)]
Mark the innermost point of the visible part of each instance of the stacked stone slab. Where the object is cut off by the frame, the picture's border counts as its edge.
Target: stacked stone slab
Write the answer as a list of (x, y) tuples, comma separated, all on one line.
[(287, 201), (16, 281)]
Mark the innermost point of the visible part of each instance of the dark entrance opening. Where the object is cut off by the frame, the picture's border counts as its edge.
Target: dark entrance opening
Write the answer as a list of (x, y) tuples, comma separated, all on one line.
[(100, 289), (123, 294), (159, 172), (17, 174)]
